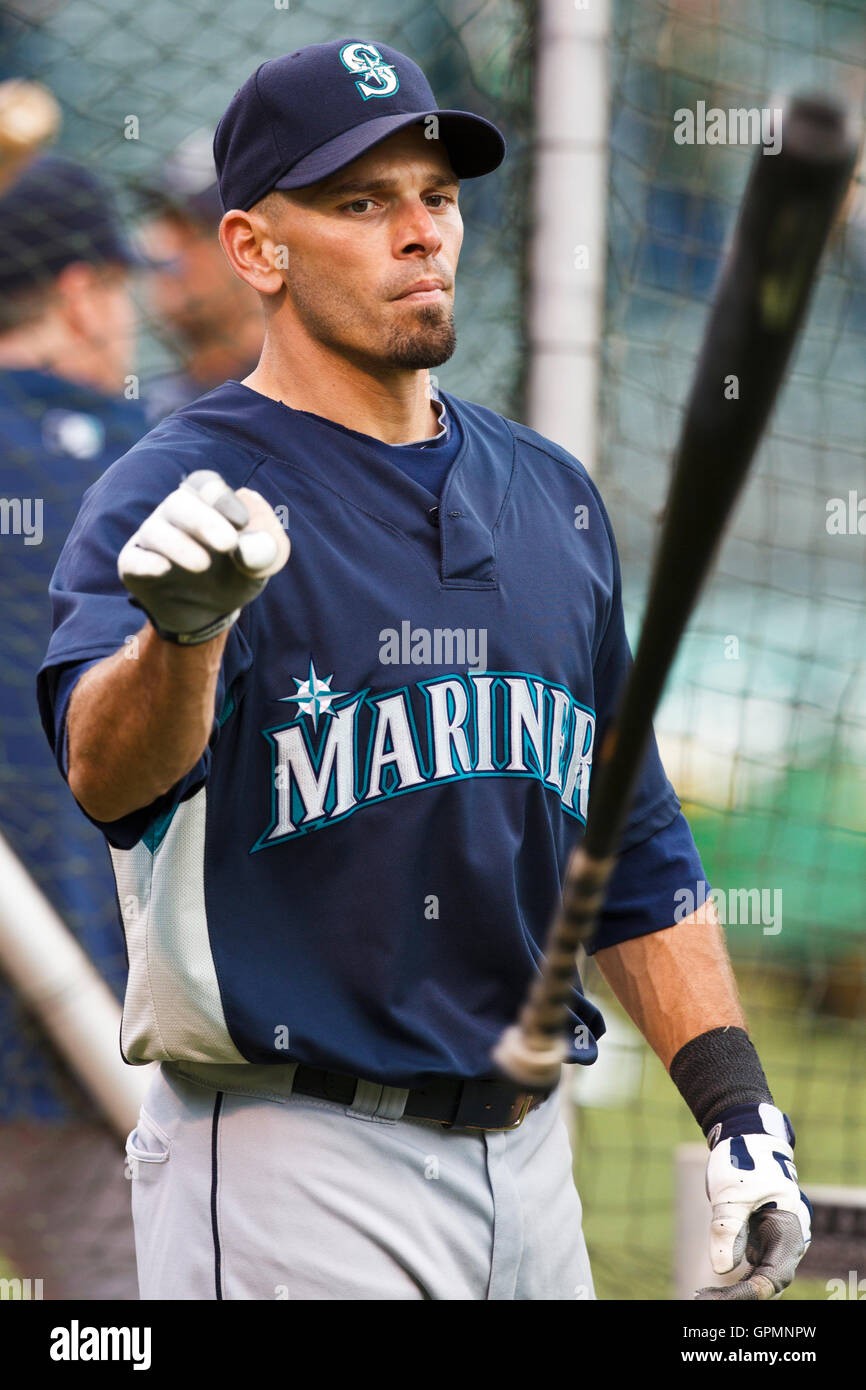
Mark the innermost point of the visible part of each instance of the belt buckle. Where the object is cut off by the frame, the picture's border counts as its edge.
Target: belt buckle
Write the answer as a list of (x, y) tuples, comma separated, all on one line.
[(528, 1098)]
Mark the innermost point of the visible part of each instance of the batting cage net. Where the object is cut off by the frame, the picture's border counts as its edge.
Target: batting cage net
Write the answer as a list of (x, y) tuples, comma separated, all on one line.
[(762, 728)]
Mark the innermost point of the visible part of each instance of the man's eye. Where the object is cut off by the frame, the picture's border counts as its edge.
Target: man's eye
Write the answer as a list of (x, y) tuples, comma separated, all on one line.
[(359, 204), (443, 198)]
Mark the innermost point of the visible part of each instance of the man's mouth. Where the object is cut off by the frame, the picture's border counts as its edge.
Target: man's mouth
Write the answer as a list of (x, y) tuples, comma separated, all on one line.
[(423, 292)]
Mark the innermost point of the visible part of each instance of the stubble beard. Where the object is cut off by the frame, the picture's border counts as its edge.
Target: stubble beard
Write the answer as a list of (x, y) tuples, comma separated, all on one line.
[(428, 343), (428, 339)]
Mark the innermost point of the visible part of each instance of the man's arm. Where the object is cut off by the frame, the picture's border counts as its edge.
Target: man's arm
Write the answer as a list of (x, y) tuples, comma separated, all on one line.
[(677, 983), (159, 707), (678, 986), (136, 725)]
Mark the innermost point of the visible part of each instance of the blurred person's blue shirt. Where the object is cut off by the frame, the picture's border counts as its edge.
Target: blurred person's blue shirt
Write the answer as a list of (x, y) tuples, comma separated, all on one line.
[(57, 438)]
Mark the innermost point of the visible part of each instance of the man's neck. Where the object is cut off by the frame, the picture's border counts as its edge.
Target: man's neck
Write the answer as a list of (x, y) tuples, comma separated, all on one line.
[(68, 362), (395, 407)]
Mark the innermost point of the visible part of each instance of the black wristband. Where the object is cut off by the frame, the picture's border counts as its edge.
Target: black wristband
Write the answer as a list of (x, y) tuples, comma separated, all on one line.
[(202, 634), (188, 639), (716, 1070)]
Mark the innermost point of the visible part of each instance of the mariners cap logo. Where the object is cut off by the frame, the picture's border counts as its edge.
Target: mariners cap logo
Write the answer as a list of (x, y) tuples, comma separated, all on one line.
[(380, 78)]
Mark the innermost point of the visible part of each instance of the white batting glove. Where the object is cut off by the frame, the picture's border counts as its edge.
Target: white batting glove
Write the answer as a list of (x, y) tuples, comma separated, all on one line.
[(758, 1208), (200, 556)]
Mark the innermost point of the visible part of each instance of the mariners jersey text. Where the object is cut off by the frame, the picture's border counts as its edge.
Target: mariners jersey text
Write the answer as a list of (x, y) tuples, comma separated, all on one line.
[(344, 752)]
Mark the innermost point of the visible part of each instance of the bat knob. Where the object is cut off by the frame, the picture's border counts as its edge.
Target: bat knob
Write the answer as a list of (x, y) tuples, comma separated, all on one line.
[(530, 1066)]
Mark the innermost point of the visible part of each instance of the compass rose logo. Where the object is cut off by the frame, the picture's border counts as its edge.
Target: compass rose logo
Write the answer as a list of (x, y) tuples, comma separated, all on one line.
[(314, 695)]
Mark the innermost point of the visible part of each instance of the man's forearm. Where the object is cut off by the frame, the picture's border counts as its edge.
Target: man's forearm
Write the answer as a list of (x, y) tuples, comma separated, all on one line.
[(137, 725), (675, 984)]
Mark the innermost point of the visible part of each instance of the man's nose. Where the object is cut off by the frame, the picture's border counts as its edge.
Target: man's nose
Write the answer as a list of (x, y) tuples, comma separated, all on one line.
[(418, 228)]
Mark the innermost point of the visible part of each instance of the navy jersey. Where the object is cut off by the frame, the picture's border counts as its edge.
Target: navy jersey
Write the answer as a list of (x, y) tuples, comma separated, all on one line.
[(360, 871), (58, 437)]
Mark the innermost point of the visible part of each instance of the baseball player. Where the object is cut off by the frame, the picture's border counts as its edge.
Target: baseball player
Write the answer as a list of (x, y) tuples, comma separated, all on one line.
[(340, 792), (67, 341), (211, 319)]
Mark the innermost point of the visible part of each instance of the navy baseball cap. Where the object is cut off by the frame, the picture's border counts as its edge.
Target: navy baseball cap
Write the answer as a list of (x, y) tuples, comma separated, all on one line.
[(304, 116), (57, 212)]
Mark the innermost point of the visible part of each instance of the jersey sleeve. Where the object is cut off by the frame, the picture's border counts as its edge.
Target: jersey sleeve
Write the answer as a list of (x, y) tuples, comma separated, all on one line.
[(658, 858), (654, 801), (93, 614), (649, 886)]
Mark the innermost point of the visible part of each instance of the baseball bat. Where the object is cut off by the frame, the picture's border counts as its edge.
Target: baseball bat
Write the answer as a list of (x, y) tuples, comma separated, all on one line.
[(57, 980), (787, 210), (29, 119)]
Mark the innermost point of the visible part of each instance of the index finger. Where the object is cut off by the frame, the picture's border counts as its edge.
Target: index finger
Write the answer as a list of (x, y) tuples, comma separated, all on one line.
[(215, 491)]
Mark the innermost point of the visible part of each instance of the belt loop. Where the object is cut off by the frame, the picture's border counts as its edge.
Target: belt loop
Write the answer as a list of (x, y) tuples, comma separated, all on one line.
[(372, 1101), (393, 1103), (365, 1101)]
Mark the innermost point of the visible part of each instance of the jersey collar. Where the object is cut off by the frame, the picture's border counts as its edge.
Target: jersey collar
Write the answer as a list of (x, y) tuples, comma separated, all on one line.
[(471, 501)]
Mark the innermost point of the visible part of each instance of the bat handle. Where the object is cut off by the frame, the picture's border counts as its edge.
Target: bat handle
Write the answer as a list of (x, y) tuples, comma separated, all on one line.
[(532, 1051)]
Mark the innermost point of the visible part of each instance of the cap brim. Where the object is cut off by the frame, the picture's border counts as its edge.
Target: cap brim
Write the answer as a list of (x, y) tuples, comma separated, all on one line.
[(474, 146)]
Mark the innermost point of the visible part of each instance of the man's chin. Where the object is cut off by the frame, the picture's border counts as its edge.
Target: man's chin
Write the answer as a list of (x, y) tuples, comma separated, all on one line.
[(418, 360), (428, 344)]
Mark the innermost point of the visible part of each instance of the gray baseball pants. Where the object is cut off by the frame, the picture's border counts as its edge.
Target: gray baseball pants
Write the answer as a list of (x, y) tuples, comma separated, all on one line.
[(235, 1196)]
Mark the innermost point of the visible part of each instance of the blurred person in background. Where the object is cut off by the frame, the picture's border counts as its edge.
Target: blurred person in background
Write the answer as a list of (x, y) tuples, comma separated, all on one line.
[(200, 309), (67, 338)]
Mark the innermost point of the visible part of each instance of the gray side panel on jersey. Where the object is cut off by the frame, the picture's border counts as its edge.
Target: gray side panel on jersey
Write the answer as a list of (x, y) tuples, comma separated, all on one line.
[(173, 1008)]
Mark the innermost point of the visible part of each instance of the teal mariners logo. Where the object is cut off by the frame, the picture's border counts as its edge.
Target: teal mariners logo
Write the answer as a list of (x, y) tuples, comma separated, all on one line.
[(379, 78), (345, 751)]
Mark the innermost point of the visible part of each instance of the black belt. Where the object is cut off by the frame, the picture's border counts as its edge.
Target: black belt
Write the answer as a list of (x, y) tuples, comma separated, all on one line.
[(457, 1104)]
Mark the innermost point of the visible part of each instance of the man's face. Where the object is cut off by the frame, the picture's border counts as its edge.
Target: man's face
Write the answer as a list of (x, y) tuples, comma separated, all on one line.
[(195, 294), (372, 254)]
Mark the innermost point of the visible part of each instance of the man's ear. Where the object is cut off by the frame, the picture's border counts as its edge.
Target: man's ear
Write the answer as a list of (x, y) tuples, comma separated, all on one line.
[(76, 280), (252, 248), (74, 292)]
